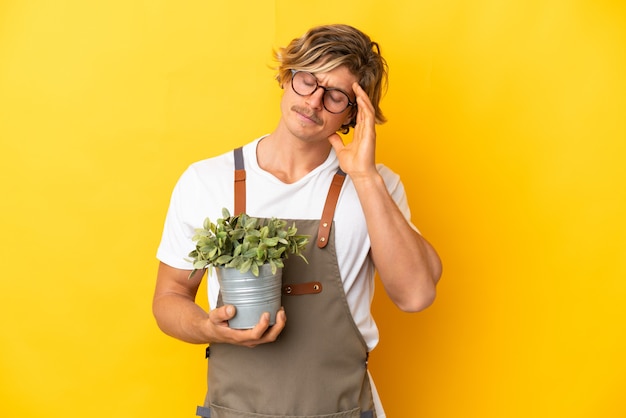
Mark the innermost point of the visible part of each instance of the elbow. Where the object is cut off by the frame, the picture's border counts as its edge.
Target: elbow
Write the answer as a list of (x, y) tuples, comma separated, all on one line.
[(156, 314), (420, 301), (421, 297), (159, 312), (417, 292), (426, 292)]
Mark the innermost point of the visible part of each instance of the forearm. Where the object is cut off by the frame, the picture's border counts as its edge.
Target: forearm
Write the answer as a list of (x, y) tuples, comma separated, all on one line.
[(181, 318), (407, 264), (174, 306)]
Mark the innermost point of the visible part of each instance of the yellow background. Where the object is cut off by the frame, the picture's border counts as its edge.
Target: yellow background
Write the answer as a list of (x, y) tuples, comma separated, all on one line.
[(507, 122)]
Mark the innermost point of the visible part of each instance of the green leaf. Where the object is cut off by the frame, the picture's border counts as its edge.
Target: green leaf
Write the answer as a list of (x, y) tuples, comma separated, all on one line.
[(261, 253), (253, 237), (270, 242), (245, 243), (235, 262), (198, 265), (250, 253), (251, 223), (237, 234), (245, 266), (276, 252), (223, 259)]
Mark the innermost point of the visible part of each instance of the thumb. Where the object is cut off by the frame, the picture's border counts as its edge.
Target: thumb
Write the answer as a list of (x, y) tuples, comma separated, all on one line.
[(336, 141), (223, 313)]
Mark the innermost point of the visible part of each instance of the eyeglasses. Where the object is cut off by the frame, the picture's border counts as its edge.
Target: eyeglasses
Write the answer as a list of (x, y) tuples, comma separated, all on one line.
[(334, 100)]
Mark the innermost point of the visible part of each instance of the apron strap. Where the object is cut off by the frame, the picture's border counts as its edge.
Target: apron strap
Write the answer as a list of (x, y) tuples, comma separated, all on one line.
[(240, 183), (203, 411), (329, 208)]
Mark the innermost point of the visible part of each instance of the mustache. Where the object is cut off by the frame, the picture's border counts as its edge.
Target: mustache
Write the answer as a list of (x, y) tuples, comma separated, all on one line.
[(306, 112)]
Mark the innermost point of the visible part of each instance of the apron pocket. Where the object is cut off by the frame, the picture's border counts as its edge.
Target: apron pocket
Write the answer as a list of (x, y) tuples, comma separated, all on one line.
[(217, 411)]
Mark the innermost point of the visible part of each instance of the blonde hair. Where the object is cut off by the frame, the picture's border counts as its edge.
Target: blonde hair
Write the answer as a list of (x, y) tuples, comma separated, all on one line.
[(324, 48)]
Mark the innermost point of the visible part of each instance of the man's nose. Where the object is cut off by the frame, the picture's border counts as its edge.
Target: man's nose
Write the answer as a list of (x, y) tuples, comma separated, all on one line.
[(316, 99)]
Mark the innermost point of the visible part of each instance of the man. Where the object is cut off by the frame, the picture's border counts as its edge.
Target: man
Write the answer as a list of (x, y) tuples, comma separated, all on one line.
[(313, 361)]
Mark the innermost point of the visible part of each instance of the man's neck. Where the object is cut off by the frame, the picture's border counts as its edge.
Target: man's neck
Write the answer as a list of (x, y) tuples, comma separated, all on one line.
[(288, 158)]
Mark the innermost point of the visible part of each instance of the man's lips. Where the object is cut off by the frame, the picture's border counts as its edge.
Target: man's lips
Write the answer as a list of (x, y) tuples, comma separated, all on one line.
[(307, 114)]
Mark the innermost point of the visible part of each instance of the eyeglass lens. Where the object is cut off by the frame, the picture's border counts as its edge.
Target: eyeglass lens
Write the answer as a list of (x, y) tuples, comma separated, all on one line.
[(334, 100)]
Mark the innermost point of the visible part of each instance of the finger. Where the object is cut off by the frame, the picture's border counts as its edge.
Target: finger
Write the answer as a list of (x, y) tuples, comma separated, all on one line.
[(247, 337), (277, 328), (336, 142), (260, 334), (365, 108), (222, 314), (259, 329), (358, 90), (361, 96)]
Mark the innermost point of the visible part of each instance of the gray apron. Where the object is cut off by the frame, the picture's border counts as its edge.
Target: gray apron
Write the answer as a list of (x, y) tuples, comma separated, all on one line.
[(318, 365)]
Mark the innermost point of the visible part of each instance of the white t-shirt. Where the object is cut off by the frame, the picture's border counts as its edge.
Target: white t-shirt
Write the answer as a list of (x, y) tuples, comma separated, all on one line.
[(207, 186)]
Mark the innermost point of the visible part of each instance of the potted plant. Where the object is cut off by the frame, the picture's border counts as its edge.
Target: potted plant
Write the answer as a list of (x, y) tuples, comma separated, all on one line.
[(248, 255)]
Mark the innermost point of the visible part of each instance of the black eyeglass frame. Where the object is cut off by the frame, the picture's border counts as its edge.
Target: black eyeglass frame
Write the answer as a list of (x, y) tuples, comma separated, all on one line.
[(326, 89)]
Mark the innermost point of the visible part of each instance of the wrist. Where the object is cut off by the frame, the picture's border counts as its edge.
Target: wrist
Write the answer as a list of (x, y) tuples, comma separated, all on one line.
[(367, 180)]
